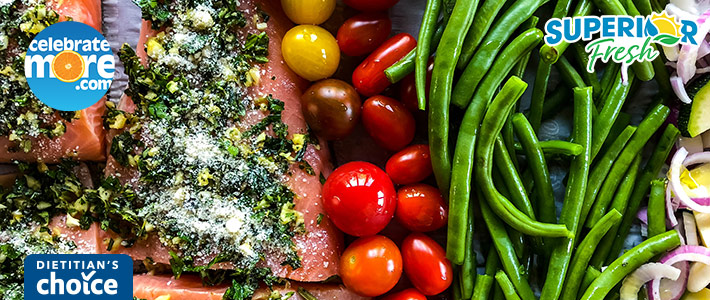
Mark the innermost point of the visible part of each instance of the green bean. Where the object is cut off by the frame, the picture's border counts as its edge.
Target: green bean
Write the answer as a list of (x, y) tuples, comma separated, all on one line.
[(486, 54), (621, 122), (498, 293), (554, 102), (537, 101), (609, 112), (569, 74), (505, 251), (506, 286), (456, 288), (481, 23), (492, 125), (657, 208), (461, 176), (645, 131), (620, 201), (509, 138), (601, 170), (556, 147), (512, 180), (608, 78), (584, 253), (407, 64), (643, 184), (662, 77), (468, 269), (519, 69), (590, 78), (426, 32), (441, 82), (538, 165), (574, 195), (484, 282), (644, 7), (629, 262), (589, 276), (550, 54), (644, 70)]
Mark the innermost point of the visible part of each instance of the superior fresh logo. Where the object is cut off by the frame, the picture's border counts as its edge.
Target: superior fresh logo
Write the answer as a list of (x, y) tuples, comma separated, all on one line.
[(623, 39), (69, 66), (78, 276)]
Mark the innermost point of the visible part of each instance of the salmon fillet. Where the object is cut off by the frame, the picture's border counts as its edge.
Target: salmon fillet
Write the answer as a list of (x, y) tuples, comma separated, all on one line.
[(320, 247), (84, 138), (190, 288)]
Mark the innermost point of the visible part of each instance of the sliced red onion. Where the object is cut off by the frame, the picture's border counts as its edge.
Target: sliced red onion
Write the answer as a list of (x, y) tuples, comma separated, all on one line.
[(679, 89), (670, 208), (704, 49), (651, 271), (693, 145), (681, 254), (674, 177), (671, 53), (691, 230), (642, 215), (697, 158), (686, 62), (702, 70), (706, 139), (669, 289), (684, 9)]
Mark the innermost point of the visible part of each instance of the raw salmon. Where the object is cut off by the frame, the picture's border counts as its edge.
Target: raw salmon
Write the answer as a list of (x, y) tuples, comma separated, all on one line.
[(84, 138), (321, 246), (190, 288)]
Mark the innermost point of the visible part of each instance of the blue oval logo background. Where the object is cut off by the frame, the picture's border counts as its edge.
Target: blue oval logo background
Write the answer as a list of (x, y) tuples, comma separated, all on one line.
[(99, 66)]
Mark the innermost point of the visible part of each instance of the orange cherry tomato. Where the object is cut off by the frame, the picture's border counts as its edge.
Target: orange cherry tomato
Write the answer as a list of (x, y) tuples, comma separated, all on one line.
[(421, 208), (369, 77), (426, 265), (408, 294), (371, 266), (411, 165), (388, 122)]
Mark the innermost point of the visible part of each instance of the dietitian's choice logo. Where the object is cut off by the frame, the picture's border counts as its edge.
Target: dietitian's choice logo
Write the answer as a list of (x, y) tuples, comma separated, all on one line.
[(623, 39), (69, 66), (78, 277)]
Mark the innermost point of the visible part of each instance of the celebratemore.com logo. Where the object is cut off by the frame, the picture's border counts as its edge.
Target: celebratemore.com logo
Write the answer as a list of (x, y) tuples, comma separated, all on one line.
[(69, 66), (78, 277), (623, 39)]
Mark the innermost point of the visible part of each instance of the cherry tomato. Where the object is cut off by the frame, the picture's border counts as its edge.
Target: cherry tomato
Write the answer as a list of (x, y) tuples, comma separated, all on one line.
[(310, 51), (371, 5), (332, 108), (359, 198), (411, 165), (421, 208), (371, 266), (363, 33), (426, 265), (312, 12), (369, 77), (408, 90), (408, 294), (388, 122)]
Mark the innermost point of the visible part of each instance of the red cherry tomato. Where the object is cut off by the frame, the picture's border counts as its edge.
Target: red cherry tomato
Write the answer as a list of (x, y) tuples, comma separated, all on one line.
[(408, 90), (388, 122), (359, 198), (421, 208), (371, 266), (411, 165), (369, 77), (363, 33), (371, 5), (426, 265), (408, 294)]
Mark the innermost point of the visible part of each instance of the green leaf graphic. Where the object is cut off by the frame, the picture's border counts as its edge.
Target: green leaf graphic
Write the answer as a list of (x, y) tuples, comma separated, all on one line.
[(666, 39)]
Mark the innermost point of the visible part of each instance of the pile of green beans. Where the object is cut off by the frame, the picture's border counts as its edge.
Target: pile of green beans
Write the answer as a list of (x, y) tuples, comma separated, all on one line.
[(489, 158)]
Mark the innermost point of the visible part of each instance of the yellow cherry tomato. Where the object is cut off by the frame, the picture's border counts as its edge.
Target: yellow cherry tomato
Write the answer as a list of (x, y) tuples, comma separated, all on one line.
[(308, 11), (310, 51)]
